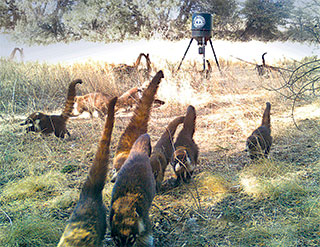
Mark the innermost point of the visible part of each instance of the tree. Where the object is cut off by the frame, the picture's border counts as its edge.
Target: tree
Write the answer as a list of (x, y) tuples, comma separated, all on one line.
[(49, 21), (305, 22), (264, 17)]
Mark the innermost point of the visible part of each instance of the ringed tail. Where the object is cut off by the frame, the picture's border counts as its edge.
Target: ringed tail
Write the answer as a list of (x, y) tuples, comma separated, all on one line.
[(190, 121), (98, 171), (138, 124), (70, 99), (167, 136), (266, 116)]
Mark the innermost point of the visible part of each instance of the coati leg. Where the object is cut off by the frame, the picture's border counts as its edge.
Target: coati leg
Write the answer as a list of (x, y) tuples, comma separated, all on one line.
[(87, 224)]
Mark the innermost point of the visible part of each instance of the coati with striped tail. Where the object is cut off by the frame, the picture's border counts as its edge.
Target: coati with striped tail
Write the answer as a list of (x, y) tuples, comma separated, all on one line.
[(129, 98), (185, 156), (163, 150), (46, 124), (259, 142), (138, 124), (98, 102), (131, 69), (87, 224), (90, 103), (132, 196)]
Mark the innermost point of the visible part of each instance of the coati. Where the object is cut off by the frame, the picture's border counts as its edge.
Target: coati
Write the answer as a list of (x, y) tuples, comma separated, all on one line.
[(138, 124), (259, 142), (46, 124), (186, 152), (129, 98), (98, 102), (163, 150), (90, 103), (132, 196), (87, 224), (130, 69)]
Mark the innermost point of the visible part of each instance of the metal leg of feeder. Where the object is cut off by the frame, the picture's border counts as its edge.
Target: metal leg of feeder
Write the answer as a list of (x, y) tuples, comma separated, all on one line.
[(204, 53), (185, 53), (215, 57)]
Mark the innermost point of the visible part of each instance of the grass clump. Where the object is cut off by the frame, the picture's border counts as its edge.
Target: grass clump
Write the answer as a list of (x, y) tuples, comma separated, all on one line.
[(33, 187), (32, 231)]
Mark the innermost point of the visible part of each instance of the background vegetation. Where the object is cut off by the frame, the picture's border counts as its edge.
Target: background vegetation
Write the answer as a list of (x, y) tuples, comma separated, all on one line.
[(231, 200), (45, 22)]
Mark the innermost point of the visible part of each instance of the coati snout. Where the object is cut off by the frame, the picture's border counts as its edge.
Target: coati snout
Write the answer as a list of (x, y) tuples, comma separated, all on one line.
[(185, 156)]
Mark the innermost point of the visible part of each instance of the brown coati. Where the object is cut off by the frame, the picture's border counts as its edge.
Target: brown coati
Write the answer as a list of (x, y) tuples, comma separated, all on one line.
[(129, 98), (87, 224), (46, 124), (132, 196), (163, 150), (186, 152), (129, 69), (90, 103), (146, 72), (138, 124), (259, 142)]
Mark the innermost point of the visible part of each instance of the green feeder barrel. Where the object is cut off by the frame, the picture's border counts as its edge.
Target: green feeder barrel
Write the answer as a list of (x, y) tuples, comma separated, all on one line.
[(201, 26)]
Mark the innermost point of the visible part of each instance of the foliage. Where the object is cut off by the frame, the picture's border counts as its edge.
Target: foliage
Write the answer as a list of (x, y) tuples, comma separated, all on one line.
[(45, 22), (305, 22), (263, 18), (55, 21)]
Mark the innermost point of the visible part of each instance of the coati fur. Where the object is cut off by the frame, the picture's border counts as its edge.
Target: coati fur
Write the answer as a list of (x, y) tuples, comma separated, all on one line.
[(87, 224), (163, 150), (90, 103), (138, 124), (132, 196), (259, 142), (130, 69), (46, 124), (98, 102), (129, 98), (185, 156)]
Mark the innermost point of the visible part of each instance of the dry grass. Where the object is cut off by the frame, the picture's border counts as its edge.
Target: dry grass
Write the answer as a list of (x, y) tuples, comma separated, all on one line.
[(230, 202)]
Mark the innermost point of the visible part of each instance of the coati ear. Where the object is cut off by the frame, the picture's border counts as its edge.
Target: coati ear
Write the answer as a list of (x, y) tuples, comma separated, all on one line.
[(141, 226)]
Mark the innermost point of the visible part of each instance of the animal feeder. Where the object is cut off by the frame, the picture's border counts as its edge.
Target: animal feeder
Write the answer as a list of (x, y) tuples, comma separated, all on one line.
[(202, 33)]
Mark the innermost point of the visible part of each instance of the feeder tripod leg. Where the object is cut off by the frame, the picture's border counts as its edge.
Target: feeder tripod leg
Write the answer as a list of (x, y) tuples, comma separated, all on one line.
[(204, 53), (185, 54), (215, 57)]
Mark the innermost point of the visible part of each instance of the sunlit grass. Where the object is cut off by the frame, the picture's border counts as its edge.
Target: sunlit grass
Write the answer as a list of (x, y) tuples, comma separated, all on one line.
[(232, 201)]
